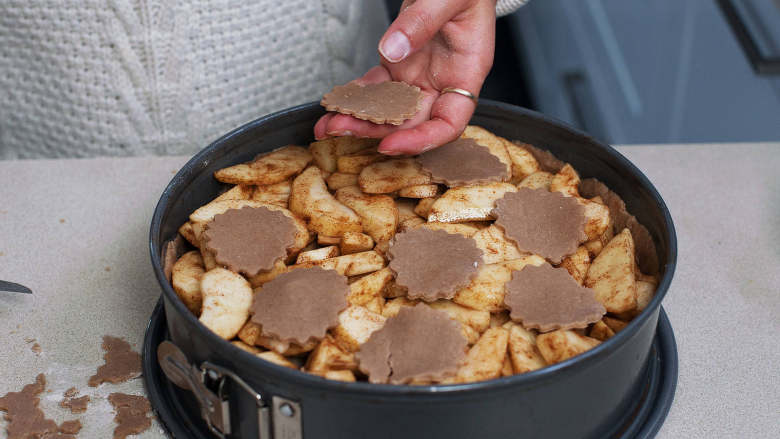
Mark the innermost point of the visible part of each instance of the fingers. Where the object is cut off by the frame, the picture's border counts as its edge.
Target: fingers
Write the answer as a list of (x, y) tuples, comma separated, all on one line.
[(450, 114), (415, 25), (320, 128), (345, 125)]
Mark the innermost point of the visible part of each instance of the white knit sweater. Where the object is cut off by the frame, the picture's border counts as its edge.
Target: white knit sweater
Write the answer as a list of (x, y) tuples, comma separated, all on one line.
[(85, 78)]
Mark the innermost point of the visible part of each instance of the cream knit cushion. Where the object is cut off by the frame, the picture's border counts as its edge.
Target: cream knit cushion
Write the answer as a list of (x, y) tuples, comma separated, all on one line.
[(83, 78)]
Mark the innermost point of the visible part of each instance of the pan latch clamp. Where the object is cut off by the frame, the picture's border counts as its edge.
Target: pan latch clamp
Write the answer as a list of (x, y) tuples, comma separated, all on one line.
[(280, 420)]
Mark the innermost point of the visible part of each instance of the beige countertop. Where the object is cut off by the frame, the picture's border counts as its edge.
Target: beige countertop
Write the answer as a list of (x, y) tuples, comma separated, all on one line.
[(75, 231)]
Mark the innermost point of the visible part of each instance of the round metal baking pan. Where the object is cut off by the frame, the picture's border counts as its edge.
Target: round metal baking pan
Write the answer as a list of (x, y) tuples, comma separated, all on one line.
[(643, 423), (590, 395)]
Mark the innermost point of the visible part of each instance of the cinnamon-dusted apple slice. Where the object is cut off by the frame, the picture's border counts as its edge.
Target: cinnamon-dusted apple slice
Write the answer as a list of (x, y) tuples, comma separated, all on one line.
[(365, 289), (393, 306), (600, 331), (645, 290), (185, 279), (355, 242), (337, 180), (349, 265), (266, 276), (328, 240), (187, 233), (419, 191), (469, 203), (423, 207), (495, 246), (537, 180), (328, 356), (226, 300), (270, 168), (547, 160), (319, 254), (327, 151), (405, 209), (522, 350), (277, 194), (486, 291), (407, 218), (392, 175), (485, 359), (378, 213), (577, 264), (356, 324), (311, 200), (476, 319), (252, 334), (324, 155), (346, 145), (465, 229), (597, 219), (561, 345), (354, 163), (523, 162), (499, 318), (566, 181), (612, 275), (338, 375), (237, 192), (277, 359), (615, 324)]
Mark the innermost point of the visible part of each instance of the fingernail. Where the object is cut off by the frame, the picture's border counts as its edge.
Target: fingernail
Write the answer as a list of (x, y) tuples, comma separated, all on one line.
[(390, 152), (339, 133), (395, 47), (427, 148)]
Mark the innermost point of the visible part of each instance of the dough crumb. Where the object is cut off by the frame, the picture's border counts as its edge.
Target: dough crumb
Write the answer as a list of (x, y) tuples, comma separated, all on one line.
[(131, 414), (121, 363), (25, 419)]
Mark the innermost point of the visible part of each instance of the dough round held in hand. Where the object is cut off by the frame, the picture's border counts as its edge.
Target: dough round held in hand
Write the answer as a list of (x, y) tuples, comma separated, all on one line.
[(387, 102)]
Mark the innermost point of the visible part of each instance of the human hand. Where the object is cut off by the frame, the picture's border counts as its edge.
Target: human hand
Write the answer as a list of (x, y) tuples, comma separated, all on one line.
[(433, 44)]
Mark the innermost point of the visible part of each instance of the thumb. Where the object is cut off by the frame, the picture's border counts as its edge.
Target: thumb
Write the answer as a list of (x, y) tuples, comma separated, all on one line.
[(416, 25)]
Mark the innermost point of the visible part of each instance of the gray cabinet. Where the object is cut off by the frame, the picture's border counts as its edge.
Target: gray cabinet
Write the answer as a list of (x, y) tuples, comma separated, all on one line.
[(639, 71)]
